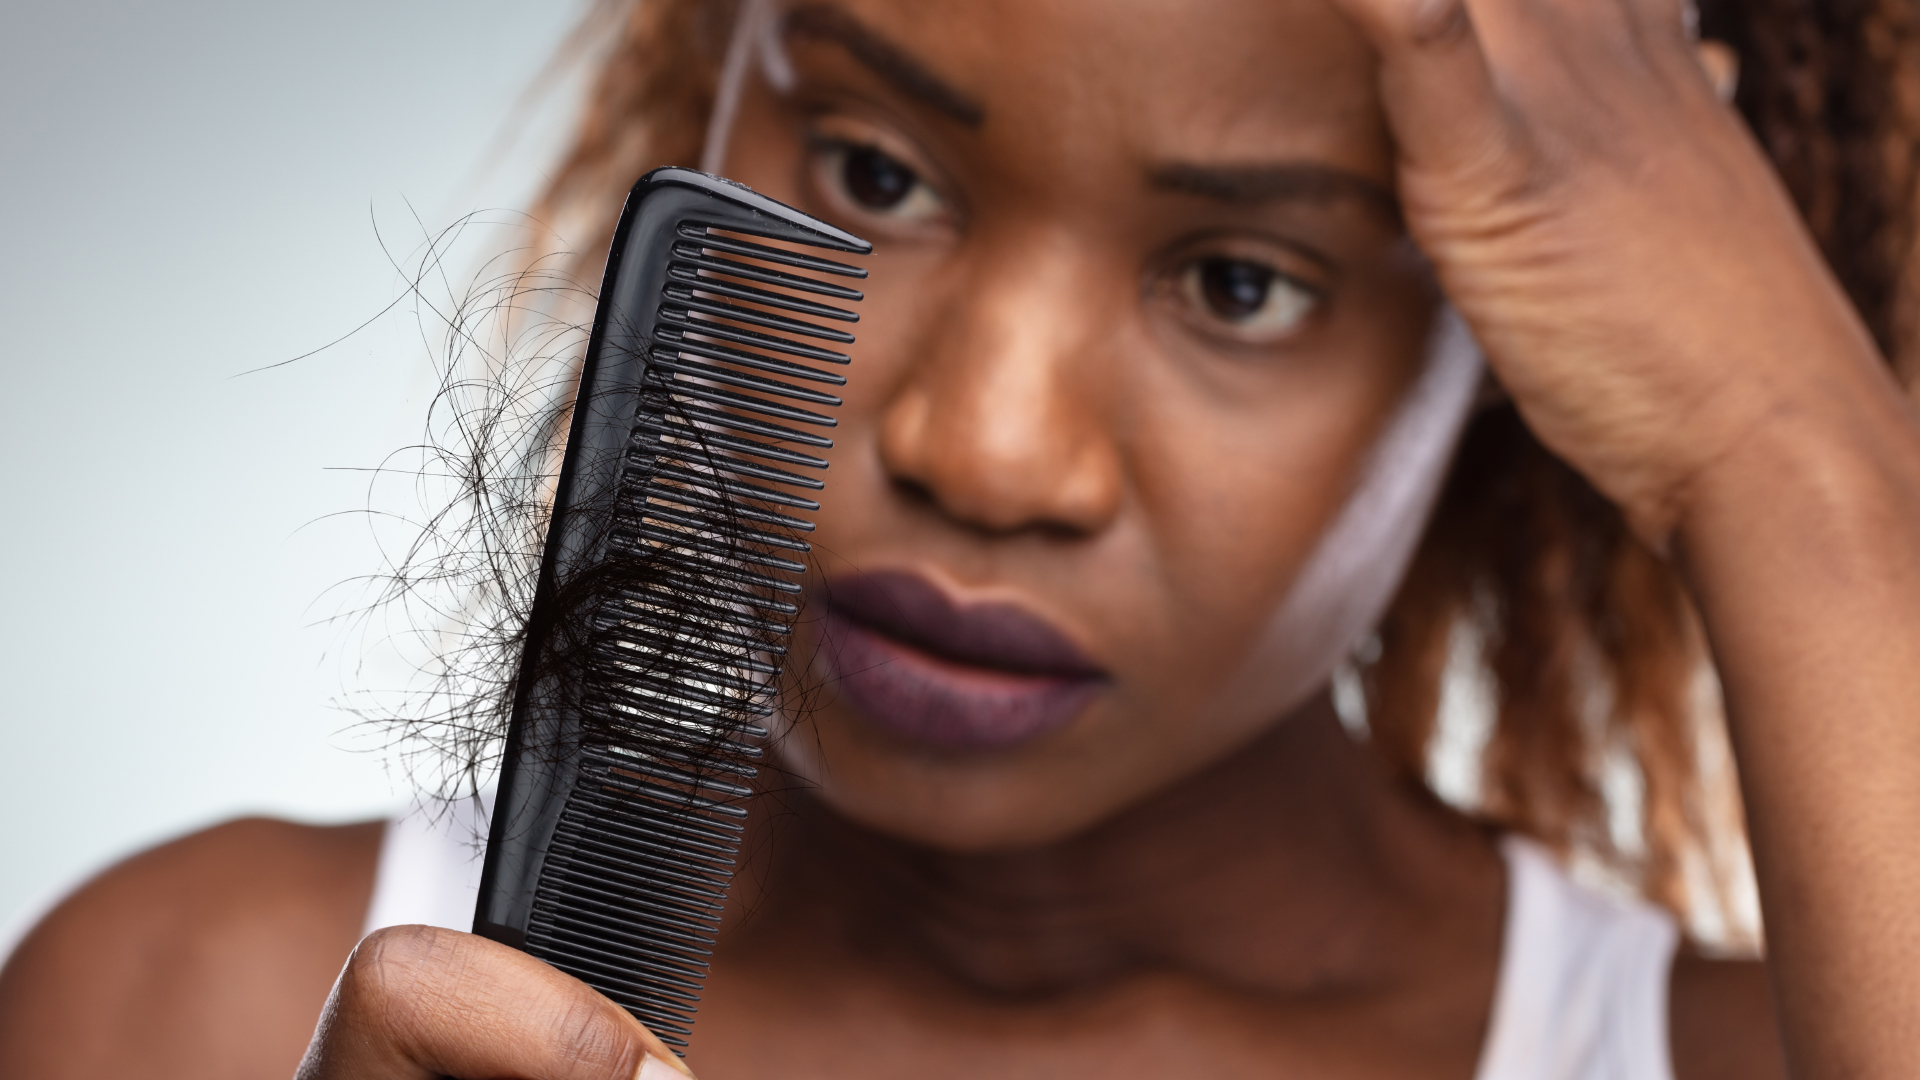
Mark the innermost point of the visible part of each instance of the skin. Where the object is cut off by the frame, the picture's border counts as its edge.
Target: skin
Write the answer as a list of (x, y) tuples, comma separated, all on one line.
[(209, 955), (1179, 883), (1035, 421)]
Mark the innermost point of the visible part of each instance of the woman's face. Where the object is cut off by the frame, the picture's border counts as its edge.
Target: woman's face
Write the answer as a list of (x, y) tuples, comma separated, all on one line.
[(1139, 305)]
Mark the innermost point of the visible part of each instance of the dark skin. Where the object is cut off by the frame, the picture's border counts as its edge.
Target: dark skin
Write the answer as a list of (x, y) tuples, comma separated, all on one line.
[(1192, 879), (207, 957), (1059, 959), (226, 977)]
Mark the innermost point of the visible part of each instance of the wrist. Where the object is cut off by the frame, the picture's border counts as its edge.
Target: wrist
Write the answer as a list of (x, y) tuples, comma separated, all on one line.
[(1829, 472)]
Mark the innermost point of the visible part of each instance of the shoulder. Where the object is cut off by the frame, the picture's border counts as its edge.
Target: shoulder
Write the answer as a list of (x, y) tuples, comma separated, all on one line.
[(1721, 1016), (206, 957)]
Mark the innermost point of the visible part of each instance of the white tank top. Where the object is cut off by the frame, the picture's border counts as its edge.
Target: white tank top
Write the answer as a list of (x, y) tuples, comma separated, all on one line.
[(1582, 993)]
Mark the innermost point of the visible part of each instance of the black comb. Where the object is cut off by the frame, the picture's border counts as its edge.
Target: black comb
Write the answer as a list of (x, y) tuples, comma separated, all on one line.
[(667, 587)]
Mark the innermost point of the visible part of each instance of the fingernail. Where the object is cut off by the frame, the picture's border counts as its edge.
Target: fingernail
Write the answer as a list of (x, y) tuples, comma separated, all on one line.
[(667, 1068)]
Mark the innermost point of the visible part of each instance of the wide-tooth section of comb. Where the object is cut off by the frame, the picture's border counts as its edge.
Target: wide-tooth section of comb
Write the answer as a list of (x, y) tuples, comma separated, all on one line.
[(718, 474)]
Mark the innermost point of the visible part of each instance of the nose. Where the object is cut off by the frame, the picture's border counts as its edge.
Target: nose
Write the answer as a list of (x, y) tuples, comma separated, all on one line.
[(1004, 422)]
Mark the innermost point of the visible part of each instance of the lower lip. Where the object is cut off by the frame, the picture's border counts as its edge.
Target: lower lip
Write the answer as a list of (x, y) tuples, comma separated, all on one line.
[(950, 706)]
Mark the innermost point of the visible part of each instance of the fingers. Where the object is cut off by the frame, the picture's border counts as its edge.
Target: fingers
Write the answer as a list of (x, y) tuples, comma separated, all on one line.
[(1677, 22), (417, 1002), (1679, 17), (1437, 86), (1471, 85)]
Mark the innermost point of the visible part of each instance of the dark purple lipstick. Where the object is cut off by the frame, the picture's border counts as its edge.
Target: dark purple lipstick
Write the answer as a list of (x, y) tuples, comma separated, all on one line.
[(957, 677)]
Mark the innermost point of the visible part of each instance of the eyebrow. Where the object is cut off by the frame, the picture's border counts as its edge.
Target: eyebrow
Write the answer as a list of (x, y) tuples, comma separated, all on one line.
[(1302, 181), (885, 59)]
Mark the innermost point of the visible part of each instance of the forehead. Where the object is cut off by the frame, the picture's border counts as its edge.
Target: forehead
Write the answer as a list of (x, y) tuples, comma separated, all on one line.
[(1216, 81)]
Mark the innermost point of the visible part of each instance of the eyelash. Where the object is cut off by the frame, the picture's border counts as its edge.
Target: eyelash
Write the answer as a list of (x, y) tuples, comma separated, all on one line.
[(915, 203), (1276, 304), (1205, 288)]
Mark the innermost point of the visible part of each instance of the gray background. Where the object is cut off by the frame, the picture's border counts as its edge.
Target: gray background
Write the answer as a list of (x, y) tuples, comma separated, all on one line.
[(188, 191)]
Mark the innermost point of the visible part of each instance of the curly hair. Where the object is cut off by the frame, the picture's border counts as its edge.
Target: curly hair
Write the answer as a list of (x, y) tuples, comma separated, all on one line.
[(1590, 643), (1585, 638)]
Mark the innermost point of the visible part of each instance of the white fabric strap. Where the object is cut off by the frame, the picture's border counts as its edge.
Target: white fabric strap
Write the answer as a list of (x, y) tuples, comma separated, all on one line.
[(1583, 981), (1582, 993), (429, 872)]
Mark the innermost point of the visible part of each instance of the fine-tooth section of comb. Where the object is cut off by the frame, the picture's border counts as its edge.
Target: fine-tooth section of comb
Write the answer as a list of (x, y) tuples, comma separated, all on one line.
[(669, 582)]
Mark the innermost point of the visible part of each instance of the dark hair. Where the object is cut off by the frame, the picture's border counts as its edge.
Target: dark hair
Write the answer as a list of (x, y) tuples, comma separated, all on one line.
[(1587, 640)]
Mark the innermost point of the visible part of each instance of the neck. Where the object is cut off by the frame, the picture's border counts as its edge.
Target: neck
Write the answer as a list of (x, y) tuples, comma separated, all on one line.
[(1296, 865)]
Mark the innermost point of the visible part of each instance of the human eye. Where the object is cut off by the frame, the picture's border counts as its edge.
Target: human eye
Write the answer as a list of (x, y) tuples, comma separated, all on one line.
[(866, 181), (1243, 298)]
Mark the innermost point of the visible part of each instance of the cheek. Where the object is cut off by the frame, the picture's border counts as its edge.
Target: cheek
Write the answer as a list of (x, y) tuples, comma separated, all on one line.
[(1234, 494), (1243, 465)]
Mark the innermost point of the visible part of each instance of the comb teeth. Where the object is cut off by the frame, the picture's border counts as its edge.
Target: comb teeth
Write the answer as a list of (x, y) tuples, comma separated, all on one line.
[(631, 892)]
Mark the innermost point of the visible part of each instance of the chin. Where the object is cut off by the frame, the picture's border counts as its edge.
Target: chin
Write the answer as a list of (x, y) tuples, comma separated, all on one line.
[(976, 723), (966, 801)]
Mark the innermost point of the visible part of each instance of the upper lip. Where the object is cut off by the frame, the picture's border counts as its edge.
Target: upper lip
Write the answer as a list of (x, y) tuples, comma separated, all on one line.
[(913, 611)]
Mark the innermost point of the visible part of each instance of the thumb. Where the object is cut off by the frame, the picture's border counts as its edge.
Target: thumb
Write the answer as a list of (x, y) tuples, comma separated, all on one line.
[(417, 1002), (1447, 115)]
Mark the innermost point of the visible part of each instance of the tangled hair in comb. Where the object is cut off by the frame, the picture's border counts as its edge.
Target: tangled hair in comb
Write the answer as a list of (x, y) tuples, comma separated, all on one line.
[(1603, 709), (452, 600), (455, 602), (452, 604)]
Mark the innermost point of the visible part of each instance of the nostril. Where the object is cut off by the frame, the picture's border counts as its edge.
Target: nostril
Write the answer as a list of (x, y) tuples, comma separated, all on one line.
[(1057, 530), (982, 520), (914, 491)]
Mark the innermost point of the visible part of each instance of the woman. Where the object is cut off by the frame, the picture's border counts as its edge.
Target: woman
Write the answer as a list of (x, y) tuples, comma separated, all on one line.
[(1152, 281)]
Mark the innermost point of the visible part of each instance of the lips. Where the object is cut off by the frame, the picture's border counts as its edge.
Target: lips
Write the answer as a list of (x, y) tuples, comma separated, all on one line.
[(954, 677)]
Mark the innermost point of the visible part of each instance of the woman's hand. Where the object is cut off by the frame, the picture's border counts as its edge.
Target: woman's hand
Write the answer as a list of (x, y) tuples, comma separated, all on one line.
[(1635, 271), (1645, 290), (416, 1003)]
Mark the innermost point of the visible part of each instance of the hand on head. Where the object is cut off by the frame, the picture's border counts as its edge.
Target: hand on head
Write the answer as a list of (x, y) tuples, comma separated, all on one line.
[(1640, 280)]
